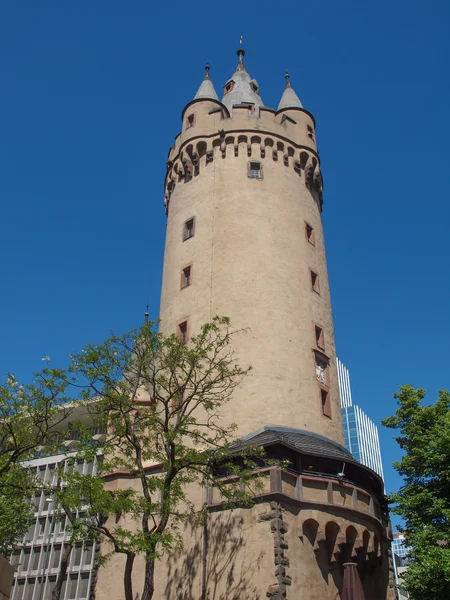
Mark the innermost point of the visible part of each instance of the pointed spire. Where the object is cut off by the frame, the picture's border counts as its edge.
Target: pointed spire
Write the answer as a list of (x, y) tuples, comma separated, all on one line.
[(146, 314), (241, 88), (241, 54), (206, 89), (289, 98)]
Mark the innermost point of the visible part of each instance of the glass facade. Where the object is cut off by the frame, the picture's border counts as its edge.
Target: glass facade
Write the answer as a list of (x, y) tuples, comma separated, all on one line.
[(360, 432)]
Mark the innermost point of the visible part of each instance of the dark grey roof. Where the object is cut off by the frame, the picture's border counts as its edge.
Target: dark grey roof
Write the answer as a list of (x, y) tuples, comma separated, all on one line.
[(303, 441)]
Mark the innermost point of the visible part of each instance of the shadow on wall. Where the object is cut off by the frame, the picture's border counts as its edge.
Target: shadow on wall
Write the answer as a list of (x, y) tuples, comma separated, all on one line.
[(333, 546), (229, 576)]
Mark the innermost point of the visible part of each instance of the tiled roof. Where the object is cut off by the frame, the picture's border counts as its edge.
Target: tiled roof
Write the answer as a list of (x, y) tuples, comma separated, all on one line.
[(303, 441)]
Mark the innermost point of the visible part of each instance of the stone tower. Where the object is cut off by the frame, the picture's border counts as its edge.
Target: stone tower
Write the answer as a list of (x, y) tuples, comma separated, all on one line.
[(243, 196), (244, 202)]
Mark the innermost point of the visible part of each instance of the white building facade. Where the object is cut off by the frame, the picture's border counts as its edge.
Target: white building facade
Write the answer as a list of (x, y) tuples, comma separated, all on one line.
[(37, 564)]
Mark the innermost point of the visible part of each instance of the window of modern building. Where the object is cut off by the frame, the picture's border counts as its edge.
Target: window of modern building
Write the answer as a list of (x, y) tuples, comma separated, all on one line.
[(56, 556), (83, 586), (183, 332), (61, 525), (315, 282), (189, 229), (72, 587), (19, 589), (46, 550), (51, 582), (30, 533), (320, 337), (35, 556), (87, 554), (25, 560), (310, 234), (326, 404), (41, 528), (37, 501), (186, 276), (255, 170), (77, 552)]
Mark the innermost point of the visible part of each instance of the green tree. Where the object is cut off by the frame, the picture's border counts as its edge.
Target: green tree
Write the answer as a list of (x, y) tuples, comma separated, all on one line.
[(424, 499), (160, 401), (29, 417)]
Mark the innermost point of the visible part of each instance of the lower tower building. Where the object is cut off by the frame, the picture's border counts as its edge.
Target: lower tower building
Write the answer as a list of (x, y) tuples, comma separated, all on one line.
[(243, 196)]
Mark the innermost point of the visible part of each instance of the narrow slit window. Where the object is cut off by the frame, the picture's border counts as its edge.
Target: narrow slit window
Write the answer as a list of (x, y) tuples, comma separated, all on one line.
[(310, 132), (183, 332), (326, 404), (310, 234), (255, 170), (320, 338), (315, 282), (190, 121), (186, 276), (189, 229)]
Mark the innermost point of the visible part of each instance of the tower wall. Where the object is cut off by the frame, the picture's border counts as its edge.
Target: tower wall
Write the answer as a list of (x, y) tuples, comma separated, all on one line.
[(251, 259)]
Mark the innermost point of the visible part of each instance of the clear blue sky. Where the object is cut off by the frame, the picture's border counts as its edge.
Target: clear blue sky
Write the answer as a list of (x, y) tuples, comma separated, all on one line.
[(91, 99)]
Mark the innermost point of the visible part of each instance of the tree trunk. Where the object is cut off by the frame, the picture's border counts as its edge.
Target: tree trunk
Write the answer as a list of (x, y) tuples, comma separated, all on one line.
[(149, 579), (127, 583), (56, 593)]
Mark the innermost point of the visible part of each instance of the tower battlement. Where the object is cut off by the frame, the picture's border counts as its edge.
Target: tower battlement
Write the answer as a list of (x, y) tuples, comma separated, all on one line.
[(209, 133)]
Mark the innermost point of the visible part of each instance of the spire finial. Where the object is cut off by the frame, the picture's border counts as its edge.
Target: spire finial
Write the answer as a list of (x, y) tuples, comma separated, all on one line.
[(241, 53), (207, 68), (146, 315), (288, 79)]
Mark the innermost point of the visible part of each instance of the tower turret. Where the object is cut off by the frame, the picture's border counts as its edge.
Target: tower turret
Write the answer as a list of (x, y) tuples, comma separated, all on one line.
[(289, 99), (206, 89)]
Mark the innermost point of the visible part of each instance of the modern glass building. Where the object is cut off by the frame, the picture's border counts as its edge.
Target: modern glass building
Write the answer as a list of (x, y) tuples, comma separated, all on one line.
[(361, 433)]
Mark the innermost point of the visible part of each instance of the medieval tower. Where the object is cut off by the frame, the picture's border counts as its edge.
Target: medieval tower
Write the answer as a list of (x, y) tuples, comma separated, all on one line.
[(245, 240), (243, 196)]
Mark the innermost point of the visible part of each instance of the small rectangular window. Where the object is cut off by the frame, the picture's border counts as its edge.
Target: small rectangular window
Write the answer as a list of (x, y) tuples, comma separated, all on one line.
[(189, 229), (255, 170), (320, 338), (190, 121), (310, 234), (315, 282), (183, 332), (186, 276), (326, 405)]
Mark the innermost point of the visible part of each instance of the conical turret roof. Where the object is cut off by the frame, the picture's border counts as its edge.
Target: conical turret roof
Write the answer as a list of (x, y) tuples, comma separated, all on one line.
[(289, 99), (206, 89), (245, 90)]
